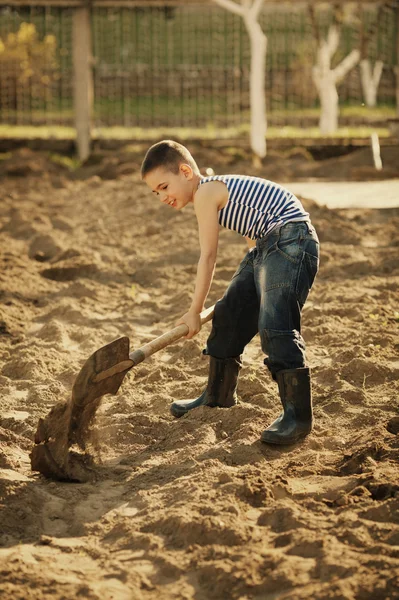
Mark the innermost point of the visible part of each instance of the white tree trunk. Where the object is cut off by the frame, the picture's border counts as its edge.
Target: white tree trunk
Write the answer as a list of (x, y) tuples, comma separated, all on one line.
[(257, 87), (249, 10), (329, 110), (326, 79), (370, 79)]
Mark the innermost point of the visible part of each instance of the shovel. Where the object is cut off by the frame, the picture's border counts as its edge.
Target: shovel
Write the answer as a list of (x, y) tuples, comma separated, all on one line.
[(68, 423)]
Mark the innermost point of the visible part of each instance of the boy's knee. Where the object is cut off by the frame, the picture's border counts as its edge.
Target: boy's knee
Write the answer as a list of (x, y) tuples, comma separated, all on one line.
[(285, 349), (231, 330)]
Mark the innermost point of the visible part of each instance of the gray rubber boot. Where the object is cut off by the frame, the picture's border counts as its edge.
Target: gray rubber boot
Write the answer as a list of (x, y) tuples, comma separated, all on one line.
[(221, 388), (296, 421)]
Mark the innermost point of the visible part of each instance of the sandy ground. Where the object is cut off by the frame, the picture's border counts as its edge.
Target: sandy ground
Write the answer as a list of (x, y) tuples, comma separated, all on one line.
[(196, 507)]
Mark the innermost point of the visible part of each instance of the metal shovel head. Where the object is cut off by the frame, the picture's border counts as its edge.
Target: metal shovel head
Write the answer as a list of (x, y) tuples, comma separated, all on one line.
[(69, 422), (103, 372)]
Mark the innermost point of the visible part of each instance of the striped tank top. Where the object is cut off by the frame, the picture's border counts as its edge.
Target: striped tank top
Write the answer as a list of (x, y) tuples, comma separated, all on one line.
[(255, 206)]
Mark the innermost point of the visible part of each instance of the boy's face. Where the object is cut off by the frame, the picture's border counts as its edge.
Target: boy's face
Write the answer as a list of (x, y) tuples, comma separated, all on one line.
[(176, 190)]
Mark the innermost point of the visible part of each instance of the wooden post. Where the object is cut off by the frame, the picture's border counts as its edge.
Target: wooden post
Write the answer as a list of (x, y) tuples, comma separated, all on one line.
[(397, 62), (83, 79)]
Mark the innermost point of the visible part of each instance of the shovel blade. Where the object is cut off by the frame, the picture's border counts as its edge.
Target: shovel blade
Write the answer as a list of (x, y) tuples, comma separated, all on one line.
[(69, 422), (91, 385)]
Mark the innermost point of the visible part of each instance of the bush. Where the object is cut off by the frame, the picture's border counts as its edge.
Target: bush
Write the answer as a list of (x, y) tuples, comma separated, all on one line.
[(27, 66)]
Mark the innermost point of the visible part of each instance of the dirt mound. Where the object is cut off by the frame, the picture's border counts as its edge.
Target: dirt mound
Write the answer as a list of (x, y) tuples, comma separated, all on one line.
[(356, 166), (25, 162)]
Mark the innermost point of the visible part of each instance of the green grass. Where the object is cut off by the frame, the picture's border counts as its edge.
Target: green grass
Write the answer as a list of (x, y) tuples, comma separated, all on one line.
[(166, 109), (41, 131), (139, 133), (314, 132), (384, 111)]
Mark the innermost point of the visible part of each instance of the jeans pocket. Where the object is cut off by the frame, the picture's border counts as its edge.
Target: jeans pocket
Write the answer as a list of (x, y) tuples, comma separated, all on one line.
[(306, 276), (290, 249), (242, 265)]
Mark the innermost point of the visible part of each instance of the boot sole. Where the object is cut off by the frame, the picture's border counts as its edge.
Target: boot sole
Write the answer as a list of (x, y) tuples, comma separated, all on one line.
[(284, 442), (176, 412)]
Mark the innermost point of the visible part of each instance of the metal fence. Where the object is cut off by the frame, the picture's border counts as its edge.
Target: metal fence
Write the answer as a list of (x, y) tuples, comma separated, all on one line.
[(182, 66)]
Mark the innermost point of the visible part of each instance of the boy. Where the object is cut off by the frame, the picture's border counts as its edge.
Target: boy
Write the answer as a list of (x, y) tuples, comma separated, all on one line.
[(267, 292)]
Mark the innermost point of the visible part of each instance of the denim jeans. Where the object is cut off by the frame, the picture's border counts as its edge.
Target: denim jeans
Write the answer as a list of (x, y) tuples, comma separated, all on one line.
[(266, 295)]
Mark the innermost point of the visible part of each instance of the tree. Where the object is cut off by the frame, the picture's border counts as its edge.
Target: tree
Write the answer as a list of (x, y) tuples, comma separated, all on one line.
[(249, 11), (325, 77), (370, 76)]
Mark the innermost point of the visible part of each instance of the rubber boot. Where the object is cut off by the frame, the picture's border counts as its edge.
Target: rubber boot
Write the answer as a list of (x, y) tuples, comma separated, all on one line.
[(221, 388), (296, 421)]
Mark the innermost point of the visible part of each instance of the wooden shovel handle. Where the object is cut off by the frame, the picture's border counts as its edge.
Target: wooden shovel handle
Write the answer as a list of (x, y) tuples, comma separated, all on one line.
[(137, 356)]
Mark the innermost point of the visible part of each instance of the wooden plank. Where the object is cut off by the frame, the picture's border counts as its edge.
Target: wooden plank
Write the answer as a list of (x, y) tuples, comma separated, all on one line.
[(83, 79)]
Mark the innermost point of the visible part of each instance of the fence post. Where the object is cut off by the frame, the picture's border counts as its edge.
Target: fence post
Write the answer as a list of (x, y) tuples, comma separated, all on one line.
[(397, 61), (83, 79)]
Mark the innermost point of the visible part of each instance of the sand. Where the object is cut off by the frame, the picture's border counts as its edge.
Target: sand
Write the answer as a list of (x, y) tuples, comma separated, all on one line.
[(196, 507)]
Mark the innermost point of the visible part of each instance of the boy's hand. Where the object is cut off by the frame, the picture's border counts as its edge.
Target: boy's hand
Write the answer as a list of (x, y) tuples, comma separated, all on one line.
[(193, 322)]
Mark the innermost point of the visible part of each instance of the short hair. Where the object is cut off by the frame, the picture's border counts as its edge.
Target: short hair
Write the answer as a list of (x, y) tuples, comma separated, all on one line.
[(167, 154)]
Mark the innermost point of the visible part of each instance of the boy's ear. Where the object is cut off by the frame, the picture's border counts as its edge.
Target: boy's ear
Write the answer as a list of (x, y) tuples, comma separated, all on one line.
[(186, 170)]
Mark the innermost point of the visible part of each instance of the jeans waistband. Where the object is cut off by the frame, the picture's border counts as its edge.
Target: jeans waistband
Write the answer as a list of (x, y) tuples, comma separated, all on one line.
[(302, 229)]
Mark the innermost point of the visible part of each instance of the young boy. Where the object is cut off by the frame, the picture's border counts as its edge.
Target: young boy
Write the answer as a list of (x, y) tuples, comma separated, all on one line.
[(267, 292)]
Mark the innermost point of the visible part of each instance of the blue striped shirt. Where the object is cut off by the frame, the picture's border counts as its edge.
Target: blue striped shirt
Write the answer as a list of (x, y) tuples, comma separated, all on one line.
[(255, 206)]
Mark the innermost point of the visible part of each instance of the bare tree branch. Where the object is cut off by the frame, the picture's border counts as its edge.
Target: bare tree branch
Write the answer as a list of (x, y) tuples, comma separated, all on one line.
[(315, 25), (332, 40), (346, 65), (256, 8)]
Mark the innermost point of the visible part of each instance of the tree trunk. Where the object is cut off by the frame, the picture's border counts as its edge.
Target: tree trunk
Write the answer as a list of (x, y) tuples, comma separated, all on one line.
[(326, 79), (83, 79), (329, 110), (370, 79), (249, 11), (257, 91)]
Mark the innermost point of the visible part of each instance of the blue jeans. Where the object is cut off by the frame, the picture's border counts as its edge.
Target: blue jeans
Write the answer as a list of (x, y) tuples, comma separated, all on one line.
[(266, 295)]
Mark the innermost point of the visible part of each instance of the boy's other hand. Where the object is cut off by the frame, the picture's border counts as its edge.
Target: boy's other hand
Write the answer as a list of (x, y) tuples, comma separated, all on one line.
[(193, 322)]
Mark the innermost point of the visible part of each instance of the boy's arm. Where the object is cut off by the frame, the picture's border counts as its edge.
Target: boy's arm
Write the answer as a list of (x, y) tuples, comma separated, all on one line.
[(208, 200), (208, 230)]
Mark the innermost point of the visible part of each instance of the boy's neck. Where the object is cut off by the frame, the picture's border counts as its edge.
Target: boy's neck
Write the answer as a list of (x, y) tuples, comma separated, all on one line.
[(196, 181)]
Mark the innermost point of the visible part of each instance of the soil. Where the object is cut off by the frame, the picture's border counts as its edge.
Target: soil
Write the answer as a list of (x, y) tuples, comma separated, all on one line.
[(196, 507)]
